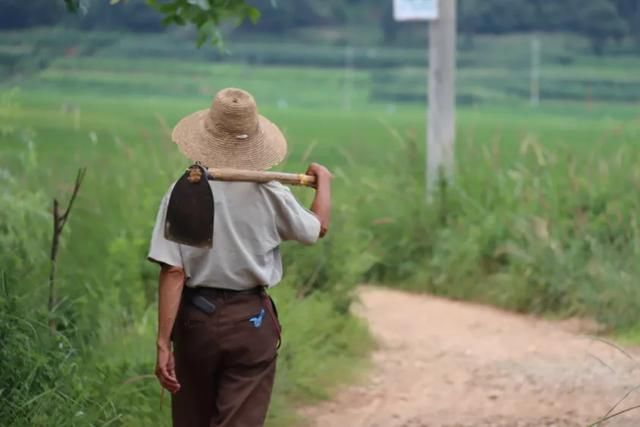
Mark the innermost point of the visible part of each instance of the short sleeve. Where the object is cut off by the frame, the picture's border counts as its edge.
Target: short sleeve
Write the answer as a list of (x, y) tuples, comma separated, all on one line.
[(293, 221), (162, 250)]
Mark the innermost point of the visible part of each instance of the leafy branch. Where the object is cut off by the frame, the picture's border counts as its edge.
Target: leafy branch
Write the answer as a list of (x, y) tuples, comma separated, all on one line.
[(204, 15)]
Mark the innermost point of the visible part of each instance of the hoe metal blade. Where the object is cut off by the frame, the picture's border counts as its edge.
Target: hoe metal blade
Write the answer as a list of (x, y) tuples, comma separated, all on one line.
[(190, 212)]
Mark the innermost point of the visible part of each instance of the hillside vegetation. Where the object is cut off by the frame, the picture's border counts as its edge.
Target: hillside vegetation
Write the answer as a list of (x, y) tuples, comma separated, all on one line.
[(542, 216)]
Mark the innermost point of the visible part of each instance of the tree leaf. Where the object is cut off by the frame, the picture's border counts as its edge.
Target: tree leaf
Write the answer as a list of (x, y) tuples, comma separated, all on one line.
[(254, 14), (203, 36), (202, 4)]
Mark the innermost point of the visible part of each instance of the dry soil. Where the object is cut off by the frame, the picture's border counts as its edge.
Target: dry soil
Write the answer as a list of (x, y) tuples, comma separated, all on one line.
[(444, 363)]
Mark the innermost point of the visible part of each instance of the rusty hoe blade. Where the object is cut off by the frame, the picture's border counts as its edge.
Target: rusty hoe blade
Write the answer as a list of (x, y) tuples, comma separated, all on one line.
[(190, 211)]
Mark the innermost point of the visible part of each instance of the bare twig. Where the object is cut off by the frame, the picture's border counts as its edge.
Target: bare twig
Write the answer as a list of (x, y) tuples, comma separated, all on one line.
[(601, 361), (607, 418), (609, 414), (609, 343), (621, 400), (59, 221), (52, 272)]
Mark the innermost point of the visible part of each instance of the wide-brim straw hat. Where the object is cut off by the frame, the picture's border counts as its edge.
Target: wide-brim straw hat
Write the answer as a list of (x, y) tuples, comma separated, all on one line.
[(231, 134)]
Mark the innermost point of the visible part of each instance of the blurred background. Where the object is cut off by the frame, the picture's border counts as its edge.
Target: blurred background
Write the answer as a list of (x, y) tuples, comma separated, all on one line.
[(542, 216)]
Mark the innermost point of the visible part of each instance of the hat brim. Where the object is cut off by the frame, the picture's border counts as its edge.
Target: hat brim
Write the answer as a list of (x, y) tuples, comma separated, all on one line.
[(260, 151)]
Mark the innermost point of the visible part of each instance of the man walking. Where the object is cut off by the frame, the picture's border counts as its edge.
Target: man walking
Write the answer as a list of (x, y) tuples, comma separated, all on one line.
[(213, 306)]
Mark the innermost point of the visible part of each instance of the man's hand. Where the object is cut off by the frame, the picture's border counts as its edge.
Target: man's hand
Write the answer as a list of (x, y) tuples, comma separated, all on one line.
[(321, 205), (321, 173), (169, 294), (166, 368)]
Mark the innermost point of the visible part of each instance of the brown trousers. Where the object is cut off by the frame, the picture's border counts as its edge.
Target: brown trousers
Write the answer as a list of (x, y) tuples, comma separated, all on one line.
[(225, 361)]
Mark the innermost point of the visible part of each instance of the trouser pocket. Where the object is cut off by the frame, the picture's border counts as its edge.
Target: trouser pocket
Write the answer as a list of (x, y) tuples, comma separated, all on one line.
[(271, 308)]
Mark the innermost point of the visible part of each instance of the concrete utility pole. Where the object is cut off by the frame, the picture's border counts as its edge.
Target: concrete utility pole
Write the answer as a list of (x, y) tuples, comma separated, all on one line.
[(441, 122)]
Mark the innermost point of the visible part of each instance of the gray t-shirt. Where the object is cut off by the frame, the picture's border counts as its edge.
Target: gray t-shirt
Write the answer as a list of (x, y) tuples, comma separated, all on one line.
[(250, 222)]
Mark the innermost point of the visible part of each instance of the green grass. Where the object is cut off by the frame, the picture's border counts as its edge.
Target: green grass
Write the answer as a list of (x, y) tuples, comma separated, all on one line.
[(629, 336), (542, 217), (108, 311)]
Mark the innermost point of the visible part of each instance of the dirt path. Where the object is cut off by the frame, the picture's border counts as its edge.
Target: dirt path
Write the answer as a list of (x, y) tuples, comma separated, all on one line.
[(443, 363)]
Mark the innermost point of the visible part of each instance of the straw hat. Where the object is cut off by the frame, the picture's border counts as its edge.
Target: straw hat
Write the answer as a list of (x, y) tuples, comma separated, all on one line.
[(231, 134)]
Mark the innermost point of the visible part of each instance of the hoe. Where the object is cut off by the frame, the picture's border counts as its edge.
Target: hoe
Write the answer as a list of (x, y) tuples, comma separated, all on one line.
[(190, 213)]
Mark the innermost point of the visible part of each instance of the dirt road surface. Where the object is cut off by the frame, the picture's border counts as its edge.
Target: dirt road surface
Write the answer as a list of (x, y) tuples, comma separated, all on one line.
[(443, 363)]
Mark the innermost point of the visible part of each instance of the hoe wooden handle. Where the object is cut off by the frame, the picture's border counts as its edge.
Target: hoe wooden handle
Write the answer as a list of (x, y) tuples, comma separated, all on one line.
[(261, 176)]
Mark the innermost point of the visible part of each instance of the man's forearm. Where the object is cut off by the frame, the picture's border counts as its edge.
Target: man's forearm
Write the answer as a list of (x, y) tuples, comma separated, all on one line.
[(321, 205), (169, 294)]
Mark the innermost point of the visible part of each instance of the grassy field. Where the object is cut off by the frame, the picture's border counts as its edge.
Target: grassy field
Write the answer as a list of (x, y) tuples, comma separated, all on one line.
[(493, 69), (542, 218)]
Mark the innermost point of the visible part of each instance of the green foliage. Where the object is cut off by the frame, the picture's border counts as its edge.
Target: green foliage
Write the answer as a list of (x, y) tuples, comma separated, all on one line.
[(35, 366), (600, 22), (21, 14), (536, 223), (24, 223), (102, 373), (498, 16), (46, 380), (540, 217), (42, 380), (205, 15)]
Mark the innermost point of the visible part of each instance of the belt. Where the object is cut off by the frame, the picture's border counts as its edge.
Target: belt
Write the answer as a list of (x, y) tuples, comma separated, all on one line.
[(209, 291), (192, 295)]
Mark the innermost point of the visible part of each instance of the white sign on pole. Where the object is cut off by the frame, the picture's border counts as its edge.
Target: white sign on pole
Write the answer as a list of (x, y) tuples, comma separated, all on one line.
[(415, 10)]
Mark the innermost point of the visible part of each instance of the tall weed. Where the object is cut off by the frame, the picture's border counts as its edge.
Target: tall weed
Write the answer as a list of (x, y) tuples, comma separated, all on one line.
[(544, 228)]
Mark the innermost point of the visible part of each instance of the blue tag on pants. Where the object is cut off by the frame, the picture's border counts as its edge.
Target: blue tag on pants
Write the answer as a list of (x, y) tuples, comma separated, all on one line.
[(256, 321)]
